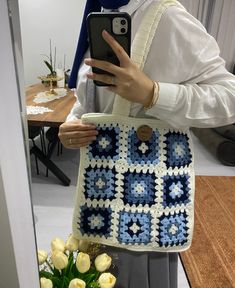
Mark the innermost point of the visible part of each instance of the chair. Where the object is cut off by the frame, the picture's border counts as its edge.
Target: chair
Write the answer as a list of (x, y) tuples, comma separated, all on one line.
[(53, 140), (33, 133)]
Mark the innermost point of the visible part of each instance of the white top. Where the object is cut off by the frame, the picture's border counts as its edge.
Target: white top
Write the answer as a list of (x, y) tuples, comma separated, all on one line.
[(195, 88)]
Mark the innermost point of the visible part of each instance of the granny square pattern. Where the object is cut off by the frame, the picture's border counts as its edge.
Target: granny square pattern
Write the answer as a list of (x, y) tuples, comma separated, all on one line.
[(178, 152), (134, 227), (106, 144), (173, 229), (99, 183), (143, 152), (139, 188), (97, 220), (176, 190), (133, 193)]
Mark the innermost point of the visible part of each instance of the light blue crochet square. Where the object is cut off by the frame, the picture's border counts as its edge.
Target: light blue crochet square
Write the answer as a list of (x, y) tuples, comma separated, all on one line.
[(99, 183), (173, 229), (134, 228)]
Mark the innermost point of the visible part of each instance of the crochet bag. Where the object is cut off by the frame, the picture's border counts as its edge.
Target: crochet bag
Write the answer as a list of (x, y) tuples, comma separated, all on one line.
[(136, 180)]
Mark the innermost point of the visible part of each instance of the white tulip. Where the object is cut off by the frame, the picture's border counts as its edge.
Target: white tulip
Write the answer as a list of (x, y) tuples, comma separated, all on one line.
[(103, 262), (42, 256), (72, 244), (107, 280), (59, 260), (83, 262), (77, 283), (57, 244), (83, 245), (46, 283)]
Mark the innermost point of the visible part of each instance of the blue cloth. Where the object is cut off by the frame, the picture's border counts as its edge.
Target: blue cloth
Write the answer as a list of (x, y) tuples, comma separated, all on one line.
[(91, 6)]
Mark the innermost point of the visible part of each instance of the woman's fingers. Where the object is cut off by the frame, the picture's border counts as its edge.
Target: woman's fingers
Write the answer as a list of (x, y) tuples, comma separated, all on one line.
[(105, 78), (79, 142), (74, 134), (75, 126), (116, 47), (107, 66), (103, 65)]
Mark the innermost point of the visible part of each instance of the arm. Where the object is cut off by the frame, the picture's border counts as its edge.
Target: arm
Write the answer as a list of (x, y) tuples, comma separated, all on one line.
[(195, 88), (197, 91)]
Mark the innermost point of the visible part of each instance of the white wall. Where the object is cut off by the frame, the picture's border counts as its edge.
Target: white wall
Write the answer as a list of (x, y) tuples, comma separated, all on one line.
[(41, 20)]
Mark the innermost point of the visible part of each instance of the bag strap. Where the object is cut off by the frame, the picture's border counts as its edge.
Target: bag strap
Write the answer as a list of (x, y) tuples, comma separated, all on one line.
[(141, 46)]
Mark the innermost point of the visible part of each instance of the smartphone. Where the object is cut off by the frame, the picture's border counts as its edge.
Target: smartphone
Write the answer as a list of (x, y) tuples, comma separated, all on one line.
[(117, 24)]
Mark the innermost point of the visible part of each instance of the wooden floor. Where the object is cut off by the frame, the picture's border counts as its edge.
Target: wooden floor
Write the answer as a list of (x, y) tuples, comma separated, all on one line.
[(210, 262)]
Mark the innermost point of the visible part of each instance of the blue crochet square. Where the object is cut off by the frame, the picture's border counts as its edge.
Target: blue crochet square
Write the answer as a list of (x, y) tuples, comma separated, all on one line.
[(173, 229), (95, 221), (134, 228), (175, 190), (99, 183), (178, 151), (106, 145), (143, 152), (139, 188)]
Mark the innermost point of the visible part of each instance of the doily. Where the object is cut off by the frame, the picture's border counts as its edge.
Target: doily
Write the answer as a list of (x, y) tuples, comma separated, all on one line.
[(37, 110), (42, 97)]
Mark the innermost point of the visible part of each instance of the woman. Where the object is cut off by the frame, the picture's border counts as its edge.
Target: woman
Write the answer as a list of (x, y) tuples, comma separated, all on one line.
[(193, 90)]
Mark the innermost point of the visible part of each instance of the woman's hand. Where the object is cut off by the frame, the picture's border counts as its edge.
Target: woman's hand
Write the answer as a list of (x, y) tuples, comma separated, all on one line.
[(74, 134), (128, 81)]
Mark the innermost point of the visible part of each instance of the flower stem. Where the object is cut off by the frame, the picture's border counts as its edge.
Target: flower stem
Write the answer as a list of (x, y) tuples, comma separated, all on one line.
[(49, 265)]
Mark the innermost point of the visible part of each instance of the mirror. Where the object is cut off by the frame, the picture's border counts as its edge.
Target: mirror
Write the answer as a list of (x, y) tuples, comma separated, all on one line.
[(50, 28), (58, 21)]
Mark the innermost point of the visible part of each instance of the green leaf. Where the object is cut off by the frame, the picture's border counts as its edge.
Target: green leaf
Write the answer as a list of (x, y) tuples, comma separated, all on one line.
[(93, 285), (57, 283), (70, 265), (57, 272), (45, 274), (49, 66), (65, 282)]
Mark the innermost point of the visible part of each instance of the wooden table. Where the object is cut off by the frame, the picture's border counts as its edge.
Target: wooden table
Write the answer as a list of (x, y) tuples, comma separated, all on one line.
[(61, 108)]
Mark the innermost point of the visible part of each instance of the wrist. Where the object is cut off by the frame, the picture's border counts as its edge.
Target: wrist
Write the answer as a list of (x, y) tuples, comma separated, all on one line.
[(152, 99), (148, 94)]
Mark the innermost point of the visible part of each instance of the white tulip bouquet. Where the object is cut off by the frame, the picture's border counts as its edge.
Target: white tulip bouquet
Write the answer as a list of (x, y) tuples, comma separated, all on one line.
[(70, 265)]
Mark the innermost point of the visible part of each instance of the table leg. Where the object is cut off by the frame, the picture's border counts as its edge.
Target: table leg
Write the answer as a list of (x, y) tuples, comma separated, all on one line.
[(50, 165)]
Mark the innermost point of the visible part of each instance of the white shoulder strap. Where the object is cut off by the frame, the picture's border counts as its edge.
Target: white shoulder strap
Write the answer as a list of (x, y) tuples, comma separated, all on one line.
[(141, 45)]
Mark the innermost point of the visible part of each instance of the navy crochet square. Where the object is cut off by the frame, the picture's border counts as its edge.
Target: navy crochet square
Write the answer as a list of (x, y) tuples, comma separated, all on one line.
[(99, 183), (178, 153), (106, 145), (95, 221), (139, 188), (143, 152), (176, 190)]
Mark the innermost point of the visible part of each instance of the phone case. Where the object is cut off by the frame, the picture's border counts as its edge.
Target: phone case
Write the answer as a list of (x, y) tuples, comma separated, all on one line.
[(99, 49)]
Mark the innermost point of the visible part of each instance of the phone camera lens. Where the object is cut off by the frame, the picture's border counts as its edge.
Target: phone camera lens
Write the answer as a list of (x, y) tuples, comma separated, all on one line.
[(123, 22), (123, 30)]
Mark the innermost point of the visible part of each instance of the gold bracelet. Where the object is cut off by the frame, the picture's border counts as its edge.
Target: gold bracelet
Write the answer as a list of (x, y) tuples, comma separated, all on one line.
[(155, 96)]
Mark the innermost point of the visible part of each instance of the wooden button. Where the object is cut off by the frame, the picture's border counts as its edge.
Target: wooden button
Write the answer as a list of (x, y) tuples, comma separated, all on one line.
[(144, 133)]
